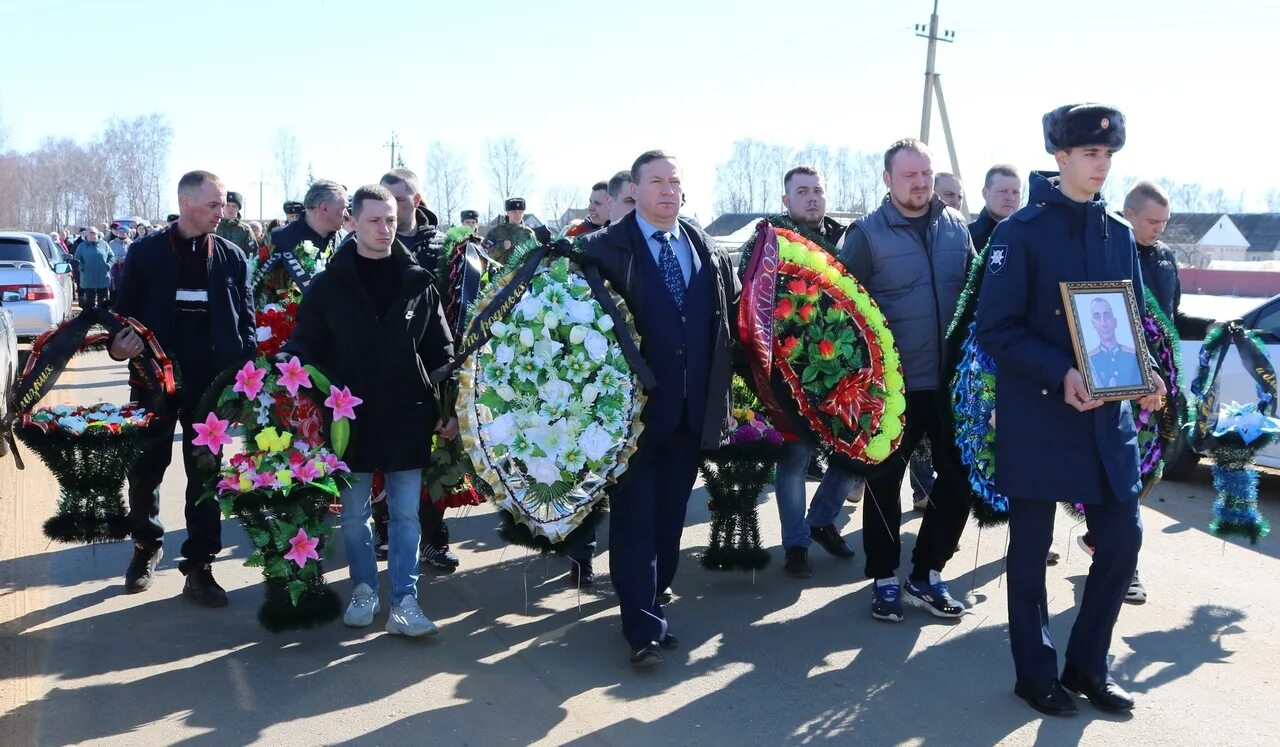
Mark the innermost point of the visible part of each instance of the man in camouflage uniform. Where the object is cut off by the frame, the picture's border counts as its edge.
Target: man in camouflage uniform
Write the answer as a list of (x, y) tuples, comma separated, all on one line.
[(509, 234), (235, 230)]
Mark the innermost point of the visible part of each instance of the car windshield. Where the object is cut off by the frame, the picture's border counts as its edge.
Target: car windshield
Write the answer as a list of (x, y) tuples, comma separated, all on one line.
[(13, 251)]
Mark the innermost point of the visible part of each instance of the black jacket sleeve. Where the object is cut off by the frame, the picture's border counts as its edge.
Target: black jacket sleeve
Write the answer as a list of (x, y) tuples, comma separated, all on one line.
[(310, 330)]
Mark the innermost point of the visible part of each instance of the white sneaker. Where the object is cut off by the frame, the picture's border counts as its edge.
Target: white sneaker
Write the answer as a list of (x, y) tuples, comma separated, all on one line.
[(406, 618), (1137, 594), (364, 605)]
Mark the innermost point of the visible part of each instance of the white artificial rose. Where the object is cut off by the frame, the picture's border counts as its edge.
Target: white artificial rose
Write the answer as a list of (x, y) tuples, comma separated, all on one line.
[(506, 392), (501, 430), (578, 334), (263, 334), (529, 307), (596, 344), (499, 329), (526, 338), (589, 393), (595, 442), (543, 470), (504, 354), (551, 320), (605, 323), (556, 392), (581, 312)]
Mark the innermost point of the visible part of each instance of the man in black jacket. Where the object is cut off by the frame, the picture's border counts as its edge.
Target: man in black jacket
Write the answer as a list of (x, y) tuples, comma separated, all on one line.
[(373, 321), (325, 205), (1002, 196), (416, 231), (190, 288), (681, 290)]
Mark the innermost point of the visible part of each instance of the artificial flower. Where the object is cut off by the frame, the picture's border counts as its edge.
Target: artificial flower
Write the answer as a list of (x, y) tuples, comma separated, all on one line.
[(212, 433), (342, 402), (293, 376), (249, 380), (270, 439), (595, 442), (784, 309), (1246, 421), (543, 470), (302, 548)]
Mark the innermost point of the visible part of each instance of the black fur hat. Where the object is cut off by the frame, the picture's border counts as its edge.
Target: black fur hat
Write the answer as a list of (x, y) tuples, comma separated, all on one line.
[(470, 215), (236, 198), (1074, 125), (515, 203)]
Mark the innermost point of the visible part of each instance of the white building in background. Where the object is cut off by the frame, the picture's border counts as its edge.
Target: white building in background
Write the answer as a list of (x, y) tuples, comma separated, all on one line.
[(1201, 238)]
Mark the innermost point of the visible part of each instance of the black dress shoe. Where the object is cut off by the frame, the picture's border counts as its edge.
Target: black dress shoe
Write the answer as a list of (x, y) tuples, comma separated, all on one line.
[(665, 596), (831, 541), (201, 587), (646, 656), (1105, 695), (669, 642), (1050, 700)]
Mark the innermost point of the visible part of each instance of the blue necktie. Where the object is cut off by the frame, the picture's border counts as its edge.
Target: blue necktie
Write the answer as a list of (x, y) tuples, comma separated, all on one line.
[(670, 268)]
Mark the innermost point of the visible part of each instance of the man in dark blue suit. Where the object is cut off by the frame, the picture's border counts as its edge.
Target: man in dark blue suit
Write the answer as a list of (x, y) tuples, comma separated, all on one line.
[(1055, 443), (681, 291)]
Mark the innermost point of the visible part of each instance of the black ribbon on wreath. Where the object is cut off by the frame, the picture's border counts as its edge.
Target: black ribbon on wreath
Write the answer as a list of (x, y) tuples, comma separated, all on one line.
[(90, 466)]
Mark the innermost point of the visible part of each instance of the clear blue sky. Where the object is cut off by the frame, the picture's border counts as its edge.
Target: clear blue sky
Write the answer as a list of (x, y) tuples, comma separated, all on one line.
[(585, 86)]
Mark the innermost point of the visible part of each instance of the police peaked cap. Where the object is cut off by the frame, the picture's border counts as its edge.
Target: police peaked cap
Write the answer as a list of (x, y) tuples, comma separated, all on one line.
[(515, 203), (1076, 125), (292, 207), (470, 215), (236, 198)]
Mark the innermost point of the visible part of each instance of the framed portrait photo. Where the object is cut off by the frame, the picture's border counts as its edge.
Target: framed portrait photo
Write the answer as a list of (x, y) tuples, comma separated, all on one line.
[(1106, 332)]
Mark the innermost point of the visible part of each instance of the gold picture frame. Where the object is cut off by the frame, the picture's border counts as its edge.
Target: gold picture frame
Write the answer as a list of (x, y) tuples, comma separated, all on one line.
[(1106, 334)]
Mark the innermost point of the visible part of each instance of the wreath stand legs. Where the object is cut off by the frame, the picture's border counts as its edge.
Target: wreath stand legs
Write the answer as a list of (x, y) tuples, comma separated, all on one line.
[(734, 487)]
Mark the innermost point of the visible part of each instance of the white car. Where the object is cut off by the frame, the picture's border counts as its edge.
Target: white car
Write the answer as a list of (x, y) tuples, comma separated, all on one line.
[(32, 290), (8, 368), (1236, 384)]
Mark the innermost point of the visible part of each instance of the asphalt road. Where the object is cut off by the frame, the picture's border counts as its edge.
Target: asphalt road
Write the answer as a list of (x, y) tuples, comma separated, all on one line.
[(523, 659)]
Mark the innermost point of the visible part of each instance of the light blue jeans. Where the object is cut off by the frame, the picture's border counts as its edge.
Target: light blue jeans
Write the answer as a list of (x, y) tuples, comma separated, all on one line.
[(403, 531), (790, 483)]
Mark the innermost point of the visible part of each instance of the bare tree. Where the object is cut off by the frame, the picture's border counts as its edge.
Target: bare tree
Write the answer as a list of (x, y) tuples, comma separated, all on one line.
[(507, 168), (4, 132), (447, 182), (558, 200), (287, 156), (1271, 200), (751, 180), (137, 151)]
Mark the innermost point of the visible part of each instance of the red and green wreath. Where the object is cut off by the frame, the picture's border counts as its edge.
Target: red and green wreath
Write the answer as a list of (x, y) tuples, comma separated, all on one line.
[(821, 355)]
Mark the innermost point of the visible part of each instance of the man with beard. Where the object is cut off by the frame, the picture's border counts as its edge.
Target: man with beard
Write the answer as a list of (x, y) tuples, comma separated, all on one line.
[(189, 287), (805, 198), (911, 255)]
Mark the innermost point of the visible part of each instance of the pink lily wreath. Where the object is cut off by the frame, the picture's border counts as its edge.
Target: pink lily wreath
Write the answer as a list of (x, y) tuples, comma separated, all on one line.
[(283, 478)]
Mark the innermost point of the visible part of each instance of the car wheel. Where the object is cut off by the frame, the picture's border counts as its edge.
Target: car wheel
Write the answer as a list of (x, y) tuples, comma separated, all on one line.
[(1180, 459)]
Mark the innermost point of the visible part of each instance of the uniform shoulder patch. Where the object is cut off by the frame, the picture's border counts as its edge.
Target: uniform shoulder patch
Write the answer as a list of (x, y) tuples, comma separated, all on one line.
[(998, 259)]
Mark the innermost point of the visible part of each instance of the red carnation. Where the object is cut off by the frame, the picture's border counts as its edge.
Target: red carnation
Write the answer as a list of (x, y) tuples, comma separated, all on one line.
[(826, 350), (813, 292), (788, 347), (796, 286), (807, 311), (784, 309)]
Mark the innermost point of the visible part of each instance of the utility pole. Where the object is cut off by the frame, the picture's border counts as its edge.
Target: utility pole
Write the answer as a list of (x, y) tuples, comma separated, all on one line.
[(393, 145), (261, 206), (933, 82)]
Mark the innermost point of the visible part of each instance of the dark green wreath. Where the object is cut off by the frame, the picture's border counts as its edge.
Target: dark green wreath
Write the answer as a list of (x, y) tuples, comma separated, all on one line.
[(90, 467)]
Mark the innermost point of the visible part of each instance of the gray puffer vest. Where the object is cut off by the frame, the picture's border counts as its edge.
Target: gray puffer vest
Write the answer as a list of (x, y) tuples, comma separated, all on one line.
[(916, 286)]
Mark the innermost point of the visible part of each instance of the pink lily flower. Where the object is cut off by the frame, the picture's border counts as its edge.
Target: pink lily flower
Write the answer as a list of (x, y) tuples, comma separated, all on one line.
[(229, 484), (333, 464), (306, 471), (249, 380), (342, 402), (212, 433), (265, 480), (293, 376), (302, 548)]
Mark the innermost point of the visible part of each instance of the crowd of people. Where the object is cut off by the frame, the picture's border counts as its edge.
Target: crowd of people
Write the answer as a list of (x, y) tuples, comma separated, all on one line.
[(373, 319)]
